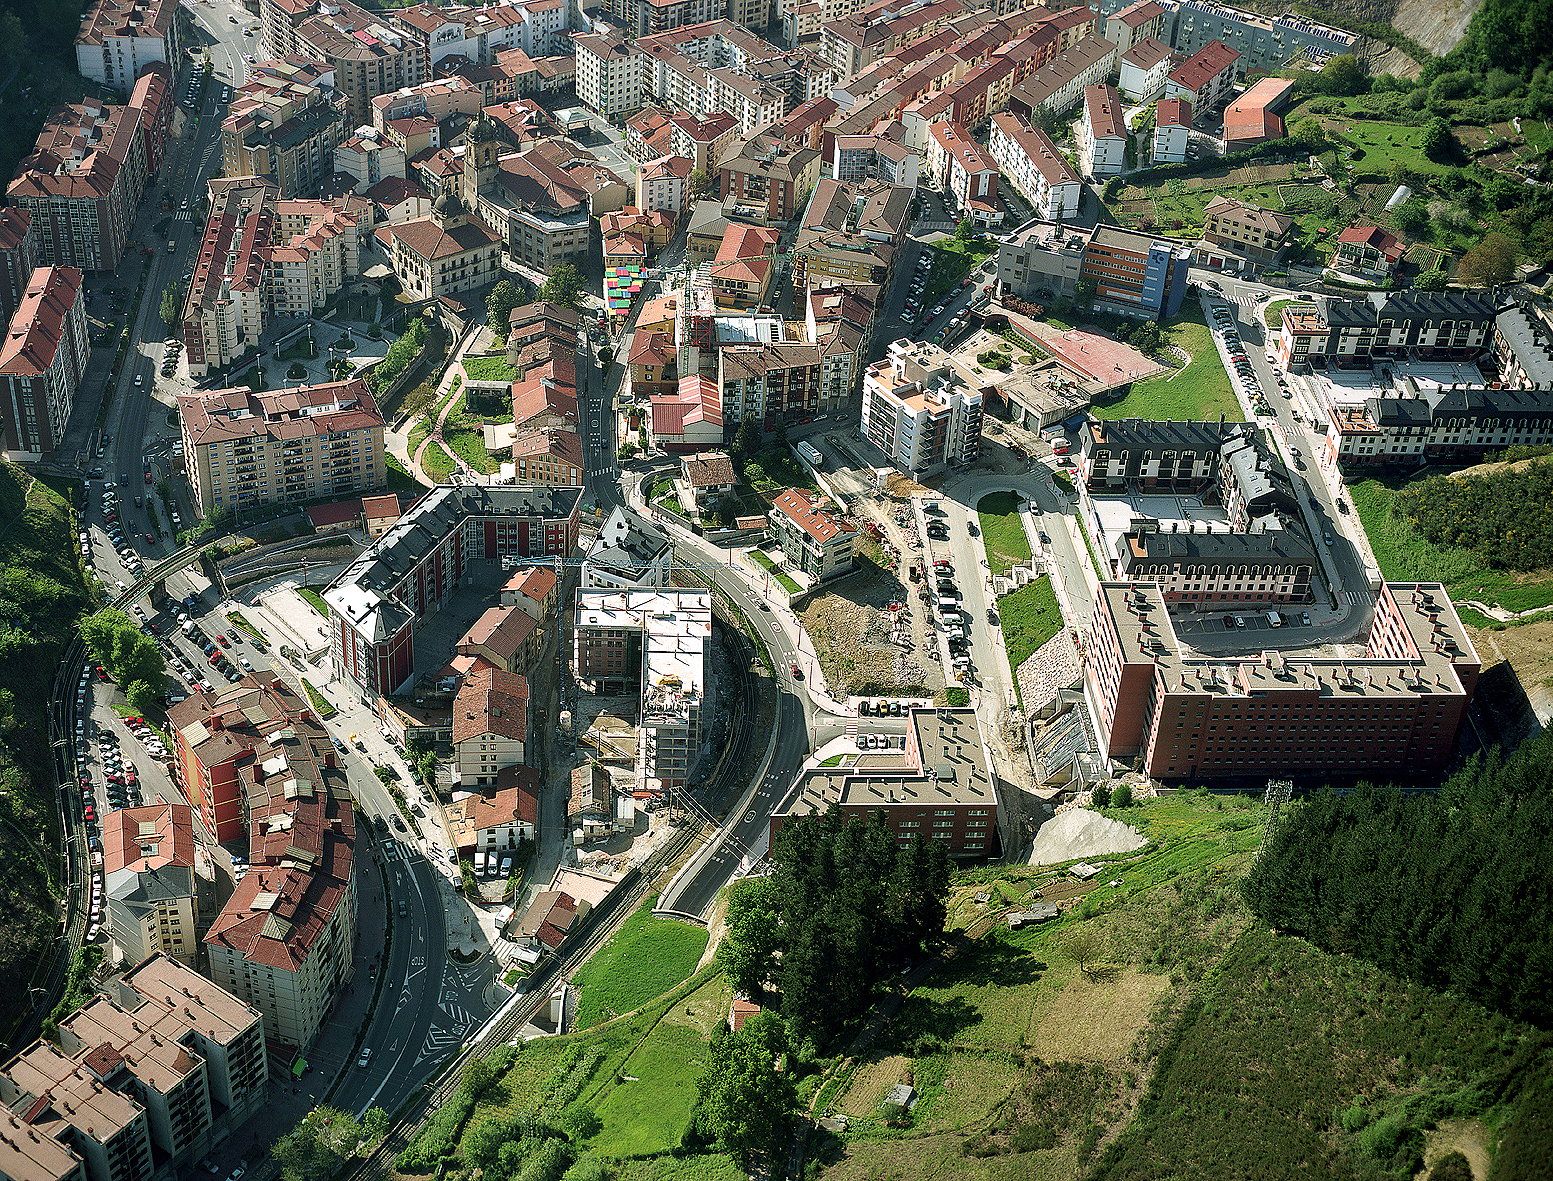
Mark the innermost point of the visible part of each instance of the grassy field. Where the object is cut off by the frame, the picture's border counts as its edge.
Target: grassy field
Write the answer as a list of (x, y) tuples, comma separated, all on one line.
[(765, 563), (1198, 392), (314, 600), (1403, 555), (437, 463), (645, 958), (399, 478), (489, 369), (952, 261), (468, 443), (1002, 532), (1029, 617)]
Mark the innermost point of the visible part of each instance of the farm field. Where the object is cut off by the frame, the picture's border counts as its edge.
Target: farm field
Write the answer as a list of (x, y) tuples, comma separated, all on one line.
[(1200, 391)]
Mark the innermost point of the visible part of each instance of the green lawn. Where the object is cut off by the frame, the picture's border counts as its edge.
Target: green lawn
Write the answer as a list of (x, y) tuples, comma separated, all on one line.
[(647, 1110), (468, 443), (489, 369), (952, 261), (1002, 532), (400, 479), (1029, 617), (783, 580), (314, 600), (437, 463), (1200, 392), (645, 958), (320, 703), (1272, 314), (1405, 555)]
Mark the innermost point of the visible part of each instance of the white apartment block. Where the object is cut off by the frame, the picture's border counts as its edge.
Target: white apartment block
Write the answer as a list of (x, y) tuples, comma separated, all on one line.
[(1144, 69), (960, 168), (923, 409), (490, 724), (629, 553), (1034, 166), (609, 75), (245, 449), (119, 38), (1102, 135), (1172, 130)]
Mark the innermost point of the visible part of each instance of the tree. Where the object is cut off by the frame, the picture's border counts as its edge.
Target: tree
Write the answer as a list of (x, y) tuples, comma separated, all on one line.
[(1309, 134), (748, 1100), (1082, 946), (318, 1146), (499, 305), (1491, 261), (1100, 795), (172, 304), (1412, 216), (1085, 290), (746, 444), (1453, 1166), (748, 950), (141, 696), (564, 286), (964, 230), (1123, 796), (1146, 337), (123, 649), (1343, 74), (1437, 141), (700, 184), (781, 433), (1431, 281)]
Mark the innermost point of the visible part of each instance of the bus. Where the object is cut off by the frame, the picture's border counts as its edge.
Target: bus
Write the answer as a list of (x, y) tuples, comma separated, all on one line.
[(809, 454)]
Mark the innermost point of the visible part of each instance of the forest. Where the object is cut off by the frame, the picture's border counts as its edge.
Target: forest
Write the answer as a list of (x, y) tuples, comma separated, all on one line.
[(845, 905), (1451, 890), (1505, 518)]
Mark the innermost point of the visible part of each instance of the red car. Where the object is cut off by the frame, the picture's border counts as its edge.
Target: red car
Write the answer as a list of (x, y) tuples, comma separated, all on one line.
[(222, 641), (134, 721), (214, 658), (102, 673), (150, 538), (148, 477), (797, 674), (89, 812)]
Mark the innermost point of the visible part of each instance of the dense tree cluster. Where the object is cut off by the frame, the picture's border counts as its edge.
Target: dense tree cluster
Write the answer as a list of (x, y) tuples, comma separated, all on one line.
[(845, 905), (1451, 890), (746, 1096), (1505, 518), (129, 654)]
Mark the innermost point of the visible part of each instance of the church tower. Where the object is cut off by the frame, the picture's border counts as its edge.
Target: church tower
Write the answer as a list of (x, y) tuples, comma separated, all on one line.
[(482, 151)]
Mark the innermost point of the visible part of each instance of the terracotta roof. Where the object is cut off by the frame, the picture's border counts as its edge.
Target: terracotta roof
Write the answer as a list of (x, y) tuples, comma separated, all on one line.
[(797, 507), (516, 798), (592, 791), (148, 838), (14, 224), (296, 413), (1203, 66), (1373, 236), (491, 702), (38, 326), (1139, 13), (424, 238), (1265, 220), (375, 508), (532, 582), (339, 512), (1251, 116), (651, 348), (564, 445), (741, 242), (1104, 107), (1147, 53), (710, 470), (393, 190), (1173, 112)]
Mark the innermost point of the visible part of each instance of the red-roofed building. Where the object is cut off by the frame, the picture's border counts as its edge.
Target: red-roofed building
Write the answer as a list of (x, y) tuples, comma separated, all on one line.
[(962, 169), (1205, 77), (18, 259), (550, 918), (336, 517), (508, 638), (1252, 118), (494, 822), (664, 184), (652, 364), (152, 888), (378, 513), (547, 456), (689, 419), (1102, 136), (1172, 130), (817, 542), (41, 363), (1137, 22), (1368, 251), (395, 200), (534, 588), (740, 277), (490, 723)]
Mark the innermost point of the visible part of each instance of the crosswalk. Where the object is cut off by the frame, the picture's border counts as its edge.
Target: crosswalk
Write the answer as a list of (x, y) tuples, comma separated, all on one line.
[(184, 215), (1355, 597)]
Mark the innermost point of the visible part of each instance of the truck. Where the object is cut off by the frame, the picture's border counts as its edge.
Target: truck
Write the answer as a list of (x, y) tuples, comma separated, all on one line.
[(809, 454)]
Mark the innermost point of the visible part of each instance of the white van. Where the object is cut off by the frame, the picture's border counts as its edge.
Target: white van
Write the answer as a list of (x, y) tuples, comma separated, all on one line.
[(481, 863), (1274, 619), (506, 865)]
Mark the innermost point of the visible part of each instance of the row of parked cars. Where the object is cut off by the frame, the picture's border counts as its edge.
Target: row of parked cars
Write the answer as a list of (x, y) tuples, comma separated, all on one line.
[(115, 530)]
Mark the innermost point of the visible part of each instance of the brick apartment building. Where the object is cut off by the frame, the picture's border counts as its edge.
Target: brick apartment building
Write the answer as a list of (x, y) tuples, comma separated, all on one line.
[(42, 360)]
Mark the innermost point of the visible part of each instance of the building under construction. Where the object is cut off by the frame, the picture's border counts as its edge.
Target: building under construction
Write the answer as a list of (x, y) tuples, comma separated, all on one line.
[(661, 641)]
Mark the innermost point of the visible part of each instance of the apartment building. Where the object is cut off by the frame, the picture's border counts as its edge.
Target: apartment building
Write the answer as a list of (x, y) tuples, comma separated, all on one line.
[(18, 259), (216, 737), (923, 409), (702, 140), (813, 541), (438, 100), (1057, 86), (548, 456), (769, 382), (533, 589), (286, 939), (42, 361), (368, 158), (1204, 78), (1234, 231), (119, 38), (244, 449), (149, 872), (940, 788), (1034, 165), (964, 172), (508, 639), (664, 184), (1102, 135), (284, 130), (261, 257), (1144, 68), (851, 233), (1137, 22), (1212, 569), (629, 553), (764, 178), (609, 77), (143, 1080), (1172, 131), (741, 276), (1174, 714), (1369, 252), (83, 180), (494, 822), (411, 570), (369, 57), (1136, 273), (659, 642), (840, 321), (1432, 325), (874, 157), (1263, 42), (1170, 458), (490, 722)]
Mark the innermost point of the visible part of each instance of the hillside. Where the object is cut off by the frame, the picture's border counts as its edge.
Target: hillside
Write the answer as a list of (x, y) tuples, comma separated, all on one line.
[(41, 595), (1437, 25)]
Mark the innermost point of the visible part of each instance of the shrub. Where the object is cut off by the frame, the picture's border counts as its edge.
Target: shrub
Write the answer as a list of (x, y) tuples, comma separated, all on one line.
[(1123, 796), (1100, 795), (1033, 1138)]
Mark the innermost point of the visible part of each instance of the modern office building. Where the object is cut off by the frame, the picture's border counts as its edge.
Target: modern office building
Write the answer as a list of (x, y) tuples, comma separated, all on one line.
[(940, 787), (411, 571), (1137, 273), (42, 360), (1045, 260), (245, 449), (923, 409), (1171, 713)]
